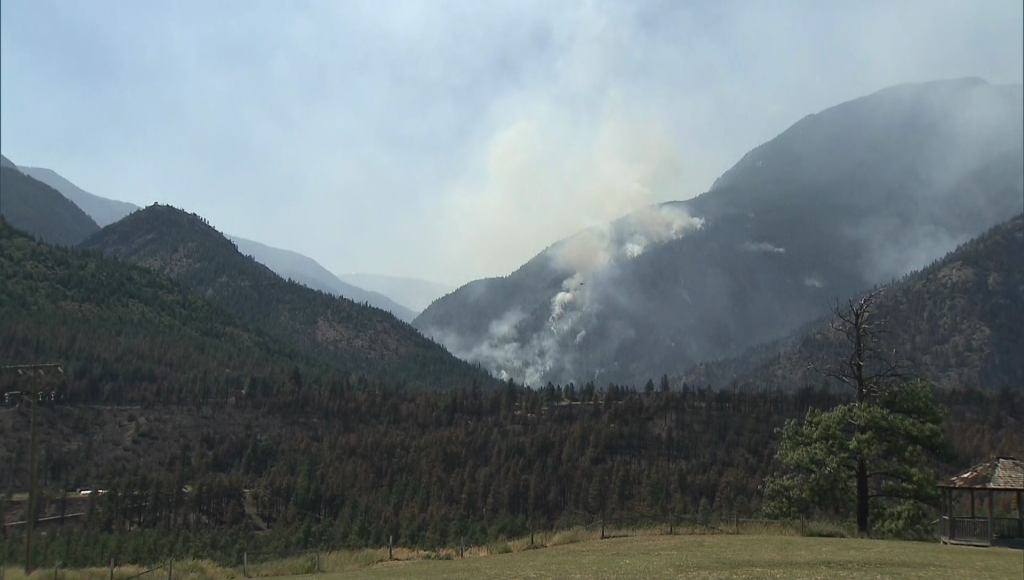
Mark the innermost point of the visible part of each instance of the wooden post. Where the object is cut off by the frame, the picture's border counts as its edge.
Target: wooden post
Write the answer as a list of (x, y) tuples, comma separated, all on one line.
[(318, 560), (949, 514), (1020, 519), (30, 520), (803, 526), (391, 544), (462, 547), (972, 503), (737, 523), (111, 568), (671, 522), (245, 562), (170, 569), (991, 531), (602, 525)]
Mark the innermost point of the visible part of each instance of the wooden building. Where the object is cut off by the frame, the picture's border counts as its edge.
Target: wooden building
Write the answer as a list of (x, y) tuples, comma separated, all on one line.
[(1000, 479)]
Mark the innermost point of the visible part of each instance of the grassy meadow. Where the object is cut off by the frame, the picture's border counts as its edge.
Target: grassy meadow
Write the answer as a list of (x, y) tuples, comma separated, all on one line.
[(581, 554)]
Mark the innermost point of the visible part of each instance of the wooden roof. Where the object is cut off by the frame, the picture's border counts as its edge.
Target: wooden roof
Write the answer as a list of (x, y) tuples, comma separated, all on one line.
[(1001, 473)]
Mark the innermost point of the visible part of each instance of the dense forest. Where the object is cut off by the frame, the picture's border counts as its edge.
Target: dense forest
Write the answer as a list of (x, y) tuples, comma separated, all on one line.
[(355, 338), (350, 465)]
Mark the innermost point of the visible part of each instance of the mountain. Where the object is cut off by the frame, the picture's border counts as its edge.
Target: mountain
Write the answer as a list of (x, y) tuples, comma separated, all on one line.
[(126, 334), (960, 321), (845, 199), (308, 272), (40, 210), (412, 293), (355, 338), (289, 265), (104, 211), (5, 162)]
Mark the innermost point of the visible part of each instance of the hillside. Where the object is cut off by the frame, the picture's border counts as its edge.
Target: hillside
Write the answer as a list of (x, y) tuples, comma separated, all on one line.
[(102, 210), (412, 293), (126, 334), (42, 211), (352, 337), (851, 197), (960, 320), (308, 272)]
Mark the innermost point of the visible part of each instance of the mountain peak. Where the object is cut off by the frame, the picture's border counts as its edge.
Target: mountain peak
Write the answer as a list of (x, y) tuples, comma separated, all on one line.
[(352, 337)]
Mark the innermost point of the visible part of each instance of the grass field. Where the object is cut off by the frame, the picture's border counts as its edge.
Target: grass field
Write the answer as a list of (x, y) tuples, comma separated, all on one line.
[(648, 554), (714, 557)]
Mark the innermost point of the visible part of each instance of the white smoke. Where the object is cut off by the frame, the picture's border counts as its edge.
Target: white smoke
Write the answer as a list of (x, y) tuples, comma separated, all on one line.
[(512, 349), (762, 248)]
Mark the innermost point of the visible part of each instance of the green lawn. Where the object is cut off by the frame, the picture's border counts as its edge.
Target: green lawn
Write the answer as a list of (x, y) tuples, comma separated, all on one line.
[(720, 556)]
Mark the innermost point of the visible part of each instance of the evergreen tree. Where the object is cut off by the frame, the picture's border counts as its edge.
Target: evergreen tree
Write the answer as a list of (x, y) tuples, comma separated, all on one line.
[(869, 456)]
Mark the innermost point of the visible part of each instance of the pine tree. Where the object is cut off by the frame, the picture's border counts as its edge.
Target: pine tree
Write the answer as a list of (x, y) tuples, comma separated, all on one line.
[(869, 456)]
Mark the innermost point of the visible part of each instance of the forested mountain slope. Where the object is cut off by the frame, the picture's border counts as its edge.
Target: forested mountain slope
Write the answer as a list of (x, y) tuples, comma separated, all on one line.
[(350, 336), (128, 335), (102, 210), (960, 321), (41, 210), (412, 293), (852, 197), (308, 272)]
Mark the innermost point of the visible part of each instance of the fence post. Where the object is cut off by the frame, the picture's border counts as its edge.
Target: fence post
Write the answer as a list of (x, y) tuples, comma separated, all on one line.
[(462, 547), (737, 523), (803, 526), (170, 569), (602, 526), (55, 568), (671, 522), (318, 559), (245, 564), (391, 544), (111, 568)]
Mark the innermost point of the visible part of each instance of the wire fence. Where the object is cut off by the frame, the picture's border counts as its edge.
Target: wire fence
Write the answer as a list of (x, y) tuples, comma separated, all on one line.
[(580, 527)]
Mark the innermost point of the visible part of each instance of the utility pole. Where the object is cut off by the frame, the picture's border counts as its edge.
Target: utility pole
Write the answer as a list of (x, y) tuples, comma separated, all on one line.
[(35, 373)]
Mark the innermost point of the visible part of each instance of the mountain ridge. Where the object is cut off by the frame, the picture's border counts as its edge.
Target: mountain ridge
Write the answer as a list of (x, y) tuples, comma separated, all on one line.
[(353, 337), (102, 210), (856, 195), (41, 210), (309, 272), (958, 320)]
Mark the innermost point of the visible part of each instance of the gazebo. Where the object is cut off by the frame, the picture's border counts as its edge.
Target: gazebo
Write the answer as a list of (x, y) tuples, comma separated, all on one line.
[(1002, 475)]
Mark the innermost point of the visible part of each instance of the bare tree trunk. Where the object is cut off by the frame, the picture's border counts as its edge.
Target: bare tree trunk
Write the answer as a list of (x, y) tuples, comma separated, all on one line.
[(862, 497)]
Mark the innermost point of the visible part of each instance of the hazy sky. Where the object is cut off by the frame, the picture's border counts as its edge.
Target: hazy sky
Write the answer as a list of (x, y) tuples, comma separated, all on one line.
[(447, 139)]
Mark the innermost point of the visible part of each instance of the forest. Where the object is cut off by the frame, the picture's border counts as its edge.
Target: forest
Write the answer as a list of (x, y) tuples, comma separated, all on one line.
[(301, 466)]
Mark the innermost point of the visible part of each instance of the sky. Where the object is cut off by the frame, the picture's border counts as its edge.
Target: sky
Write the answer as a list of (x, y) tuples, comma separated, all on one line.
[(448, 140)]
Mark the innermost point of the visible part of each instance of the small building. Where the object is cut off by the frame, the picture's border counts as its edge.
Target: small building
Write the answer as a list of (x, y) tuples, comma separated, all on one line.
[(1000, 479)]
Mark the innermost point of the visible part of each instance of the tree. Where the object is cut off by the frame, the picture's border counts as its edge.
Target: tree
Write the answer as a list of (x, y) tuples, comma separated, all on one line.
[(869, 456)]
